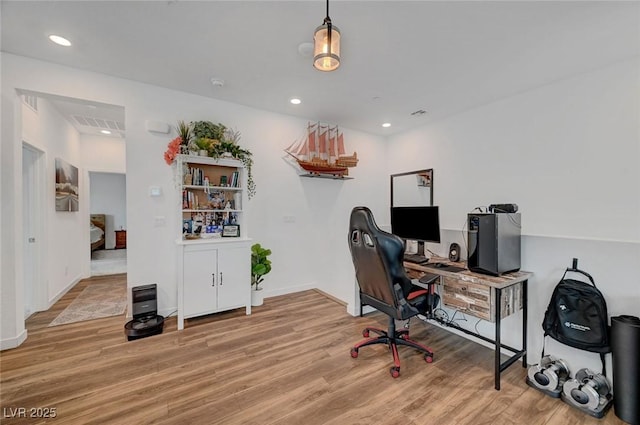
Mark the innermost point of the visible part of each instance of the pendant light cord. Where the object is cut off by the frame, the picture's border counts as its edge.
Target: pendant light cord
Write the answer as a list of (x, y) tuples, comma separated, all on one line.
[(327, 20)]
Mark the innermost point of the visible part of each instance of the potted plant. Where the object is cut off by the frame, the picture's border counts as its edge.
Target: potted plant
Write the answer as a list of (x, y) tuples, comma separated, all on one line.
[(203, 146), (260, 266), (184, 132)]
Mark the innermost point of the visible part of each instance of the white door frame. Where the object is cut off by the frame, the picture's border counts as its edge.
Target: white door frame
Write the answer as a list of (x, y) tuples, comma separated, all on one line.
[(37, 229)]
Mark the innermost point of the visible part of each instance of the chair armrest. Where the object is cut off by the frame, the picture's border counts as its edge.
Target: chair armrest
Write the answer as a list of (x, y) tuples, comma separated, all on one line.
[(429, 278)]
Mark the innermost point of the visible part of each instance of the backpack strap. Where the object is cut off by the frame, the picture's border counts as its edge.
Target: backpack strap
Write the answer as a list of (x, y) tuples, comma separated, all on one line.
[(604, 366), (574, 270)]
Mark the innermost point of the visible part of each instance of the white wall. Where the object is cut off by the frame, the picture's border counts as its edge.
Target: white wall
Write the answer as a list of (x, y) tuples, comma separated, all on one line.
[(12, 332), (108, 196), (567, 154), (103, 154), (302, 249)]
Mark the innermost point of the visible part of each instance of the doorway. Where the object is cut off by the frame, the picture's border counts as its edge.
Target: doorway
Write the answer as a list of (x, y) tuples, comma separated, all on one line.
[(108, 206), (33, 231)]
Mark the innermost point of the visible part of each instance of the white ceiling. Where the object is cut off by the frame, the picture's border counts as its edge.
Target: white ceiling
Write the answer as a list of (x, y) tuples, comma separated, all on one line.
[(397, 56)]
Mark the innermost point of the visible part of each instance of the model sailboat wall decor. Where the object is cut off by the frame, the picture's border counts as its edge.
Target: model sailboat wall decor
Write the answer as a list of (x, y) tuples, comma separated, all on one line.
[(321, 151)]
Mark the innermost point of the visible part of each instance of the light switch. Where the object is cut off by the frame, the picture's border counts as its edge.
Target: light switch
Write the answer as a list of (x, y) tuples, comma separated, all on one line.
[(155, 191)]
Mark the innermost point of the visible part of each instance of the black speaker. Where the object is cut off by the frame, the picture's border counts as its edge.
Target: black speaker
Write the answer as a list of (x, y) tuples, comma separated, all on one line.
[(454, 252), (144, 301)]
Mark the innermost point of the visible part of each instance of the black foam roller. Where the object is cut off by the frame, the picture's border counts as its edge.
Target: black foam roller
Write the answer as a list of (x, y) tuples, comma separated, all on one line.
[(625, 347)]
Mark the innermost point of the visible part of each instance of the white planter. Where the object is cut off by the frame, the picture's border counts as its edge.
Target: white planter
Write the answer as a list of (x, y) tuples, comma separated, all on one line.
[(204, 152), (257, 297)]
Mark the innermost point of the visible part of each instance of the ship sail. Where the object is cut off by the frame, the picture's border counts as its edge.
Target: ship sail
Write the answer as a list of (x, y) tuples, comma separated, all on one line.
[(322, 151)]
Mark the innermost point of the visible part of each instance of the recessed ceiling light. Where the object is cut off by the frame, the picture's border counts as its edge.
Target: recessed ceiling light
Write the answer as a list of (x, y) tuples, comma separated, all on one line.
[(295, 101), (105, 132), (60, 40), (386, 125)]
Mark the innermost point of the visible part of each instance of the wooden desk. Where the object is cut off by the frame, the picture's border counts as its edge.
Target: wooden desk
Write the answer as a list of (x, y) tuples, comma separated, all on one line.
[(487, 297)]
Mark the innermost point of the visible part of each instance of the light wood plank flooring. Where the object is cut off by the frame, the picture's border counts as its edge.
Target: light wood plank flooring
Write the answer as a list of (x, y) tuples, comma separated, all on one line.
[(287, 363)]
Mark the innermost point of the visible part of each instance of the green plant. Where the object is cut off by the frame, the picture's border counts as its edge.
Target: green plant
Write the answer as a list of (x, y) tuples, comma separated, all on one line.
[(260, 264), (202, 144), (208, 130), (184, 131)]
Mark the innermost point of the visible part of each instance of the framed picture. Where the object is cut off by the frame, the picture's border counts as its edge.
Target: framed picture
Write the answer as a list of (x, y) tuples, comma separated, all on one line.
[(230, 231), (66, 186)]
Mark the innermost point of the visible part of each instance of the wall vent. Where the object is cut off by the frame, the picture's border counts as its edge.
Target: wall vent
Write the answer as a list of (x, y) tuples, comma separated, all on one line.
[(31, 101)]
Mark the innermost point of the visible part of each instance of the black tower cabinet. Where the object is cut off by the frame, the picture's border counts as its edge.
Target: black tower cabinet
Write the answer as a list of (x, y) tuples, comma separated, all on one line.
[(494, 243)]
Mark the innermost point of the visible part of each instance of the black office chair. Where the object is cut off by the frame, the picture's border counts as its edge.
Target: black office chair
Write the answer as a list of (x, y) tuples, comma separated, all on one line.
[(377, 258)]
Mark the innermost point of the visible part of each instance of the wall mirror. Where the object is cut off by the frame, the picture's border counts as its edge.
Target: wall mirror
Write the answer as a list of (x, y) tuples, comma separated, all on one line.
[(411, 189)]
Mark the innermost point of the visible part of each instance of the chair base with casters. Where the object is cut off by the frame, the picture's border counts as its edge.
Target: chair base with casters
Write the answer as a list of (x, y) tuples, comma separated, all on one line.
[(392, 338)]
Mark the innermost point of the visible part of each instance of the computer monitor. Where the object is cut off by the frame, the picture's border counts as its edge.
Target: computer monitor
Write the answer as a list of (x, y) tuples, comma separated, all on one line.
[(417, 223)]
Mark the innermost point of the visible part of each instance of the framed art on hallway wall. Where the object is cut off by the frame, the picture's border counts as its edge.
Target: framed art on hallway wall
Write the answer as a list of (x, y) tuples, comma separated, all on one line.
[(66, 186)]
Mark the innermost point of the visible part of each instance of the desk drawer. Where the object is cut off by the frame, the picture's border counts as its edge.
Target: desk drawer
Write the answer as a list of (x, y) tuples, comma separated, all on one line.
[(479, 300), (467, 297)]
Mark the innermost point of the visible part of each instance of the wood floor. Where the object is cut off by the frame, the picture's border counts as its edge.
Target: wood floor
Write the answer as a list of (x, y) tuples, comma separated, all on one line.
[(287, 363)]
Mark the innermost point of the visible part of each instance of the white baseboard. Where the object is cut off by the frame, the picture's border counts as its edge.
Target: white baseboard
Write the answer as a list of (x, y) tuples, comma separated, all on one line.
[(289, 290), (64, 290), (7, 344), (354, 309), (272, 293)]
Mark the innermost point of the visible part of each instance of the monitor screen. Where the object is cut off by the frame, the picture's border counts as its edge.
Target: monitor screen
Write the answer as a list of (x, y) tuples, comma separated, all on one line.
[(417, 223)]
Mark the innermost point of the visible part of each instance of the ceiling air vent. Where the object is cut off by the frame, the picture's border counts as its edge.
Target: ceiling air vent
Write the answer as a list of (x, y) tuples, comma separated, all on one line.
[(99, 123)]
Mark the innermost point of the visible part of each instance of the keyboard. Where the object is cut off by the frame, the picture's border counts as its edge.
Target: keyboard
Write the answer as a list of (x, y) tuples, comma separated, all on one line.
[(415, 258)]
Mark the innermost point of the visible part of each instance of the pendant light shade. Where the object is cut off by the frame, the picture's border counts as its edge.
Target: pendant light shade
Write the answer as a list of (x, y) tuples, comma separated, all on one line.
[(326, 45)]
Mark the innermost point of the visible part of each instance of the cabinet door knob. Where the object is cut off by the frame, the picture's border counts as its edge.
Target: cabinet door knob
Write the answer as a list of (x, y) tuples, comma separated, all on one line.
[(213, 279), (220, 278)]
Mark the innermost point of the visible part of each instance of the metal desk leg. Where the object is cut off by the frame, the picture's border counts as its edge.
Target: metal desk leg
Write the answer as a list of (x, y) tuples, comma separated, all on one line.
[(497, 340), (524, 322)]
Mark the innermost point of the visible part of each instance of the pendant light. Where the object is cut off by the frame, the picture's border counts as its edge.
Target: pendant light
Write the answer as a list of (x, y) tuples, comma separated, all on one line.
[(326, 46)]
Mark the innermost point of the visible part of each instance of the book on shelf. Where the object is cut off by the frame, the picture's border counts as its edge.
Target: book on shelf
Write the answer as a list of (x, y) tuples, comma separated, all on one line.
[(190, 201), (196, 176)]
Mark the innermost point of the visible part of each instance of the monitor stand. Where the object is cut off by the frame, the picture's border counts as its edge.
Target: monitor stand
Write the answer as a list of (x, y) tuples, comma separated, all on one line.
[(420, 248)]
